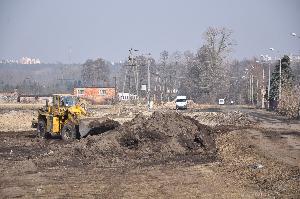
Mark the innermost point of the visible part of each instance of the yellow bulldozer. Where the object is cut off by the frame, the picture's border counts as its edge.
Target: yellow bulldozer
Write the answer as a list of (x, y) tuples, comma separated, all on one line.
[(66, 117)]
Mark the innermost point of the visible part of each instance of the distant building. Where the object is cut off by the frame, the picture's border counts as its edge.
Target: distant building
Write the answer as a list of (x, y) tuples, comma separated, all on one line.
[(97, 95), (27, 60), (9, 96), (34, 99), (23, 60), (125, 96), (295, 58), (9, 61)]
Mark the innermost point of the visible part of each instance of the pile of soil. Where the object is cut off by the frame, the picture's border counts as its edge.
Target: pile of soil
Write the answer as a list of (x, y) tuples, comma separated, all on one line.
[(168, 105), (166, 132), (162, 137)]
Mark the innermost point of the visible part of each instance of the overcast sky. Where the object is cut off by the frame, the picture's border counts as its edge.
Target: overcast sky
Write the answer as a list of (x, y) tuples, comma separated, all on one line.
[(64, 30)]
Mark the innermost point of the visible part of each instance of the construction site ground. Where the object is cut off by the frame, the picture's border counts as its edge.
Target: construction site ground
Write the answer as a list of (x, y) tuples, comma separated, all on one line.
[(203, 152)]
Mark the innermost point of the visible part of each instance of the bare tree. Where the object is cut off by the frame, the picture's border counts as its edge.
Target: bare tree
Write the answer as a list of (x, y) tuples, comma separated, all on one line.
[(162, 74), (94, 73), (219, 43), (208, 72)]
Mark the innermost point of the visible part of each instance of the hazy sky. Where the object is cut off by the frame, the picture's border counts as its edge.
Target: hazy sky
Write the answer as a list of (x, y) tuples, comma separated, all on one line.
[(54, 29)]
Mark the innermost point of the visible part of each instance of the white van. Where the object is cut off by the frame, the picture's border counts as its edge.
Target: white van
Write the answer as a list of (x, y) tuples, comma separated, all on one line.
[(181, 102), (221, 101)]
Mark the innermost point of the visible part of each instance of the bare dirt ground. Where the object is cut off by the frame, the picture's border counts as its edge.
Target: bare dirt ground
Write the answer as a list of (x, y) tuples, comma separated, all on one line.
[(204, 152)]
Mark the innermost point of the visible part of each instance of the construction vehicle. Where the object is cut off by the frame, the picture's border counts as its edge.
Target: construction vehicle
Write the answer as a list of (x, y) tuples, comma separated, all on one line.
[(66, 117)]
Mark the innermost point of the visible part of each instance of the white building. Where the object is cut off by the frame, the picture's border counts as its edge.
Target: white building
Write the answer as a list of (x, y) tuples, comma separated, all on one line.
[(295, 58), (125, 96), (27, 60)]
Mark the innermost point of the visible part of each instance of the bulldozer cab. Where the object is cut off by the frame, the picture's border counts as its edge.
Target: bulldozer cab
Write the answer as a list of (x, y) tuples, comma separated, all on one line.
[(64, 100)]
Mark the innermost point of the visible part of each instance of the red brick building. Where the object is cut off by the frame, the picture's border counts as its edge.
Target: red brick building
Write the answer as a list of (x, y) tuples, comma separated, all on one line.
[(97, 95)]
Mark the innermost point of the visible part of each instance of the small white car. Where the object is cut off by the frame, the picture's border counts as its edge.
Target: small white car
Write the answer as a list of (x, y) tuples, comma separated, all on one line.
[(181, 102), (221, 101)]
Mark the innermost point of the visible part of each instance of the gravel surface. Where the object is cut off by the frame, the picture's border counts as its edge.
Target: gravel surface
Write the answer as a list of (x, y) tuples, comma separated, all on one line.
[(17, 120)]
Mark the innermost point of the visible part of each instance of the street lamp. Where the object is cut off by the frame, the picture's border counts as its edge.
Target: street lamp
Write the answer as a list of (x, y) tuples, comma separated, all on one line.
[(294, 35), (263, 83), (251, 89), (267, 58)]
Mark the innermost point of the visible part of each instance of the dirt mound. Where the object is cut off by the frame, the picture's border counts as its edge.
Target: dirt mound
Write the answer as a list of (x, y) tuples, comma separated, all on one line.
[(191, 104), (166, 132), (170, 105), (158, 138)]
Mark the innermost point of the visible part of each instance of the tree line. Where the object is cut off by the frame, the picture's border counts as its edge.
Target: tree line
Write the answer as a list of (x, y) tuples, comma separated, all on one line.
[(204, 76)]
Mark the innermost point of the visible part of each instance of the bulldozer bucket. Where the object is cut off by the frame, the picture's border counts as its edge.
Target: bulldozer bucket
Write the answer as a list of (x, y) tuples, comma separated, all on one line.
[(94, 126)]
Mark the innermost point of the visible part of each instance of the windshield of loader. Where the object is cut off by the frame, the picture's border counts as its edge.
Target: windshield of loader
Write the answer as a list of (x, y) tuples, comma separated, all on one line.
[(68, 100)]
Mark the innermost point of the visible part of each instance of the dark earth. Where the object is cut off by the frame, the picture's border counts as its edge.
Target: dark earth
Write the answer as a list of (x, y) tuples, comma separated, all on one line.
[(164, 155)]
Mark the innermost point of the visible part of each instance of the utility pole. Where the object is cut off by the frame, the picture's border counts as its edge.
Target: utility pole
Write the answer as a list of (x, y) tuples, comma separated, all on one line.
[(170, 88), (250, 99), (124, 83), (130, 58), (129, 87), (252, 90), (279, 79), (148, 96), (268, 61), (134, 67), (256, 91), (263, 89), (115, 78), (269, 85), (137, 82)]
